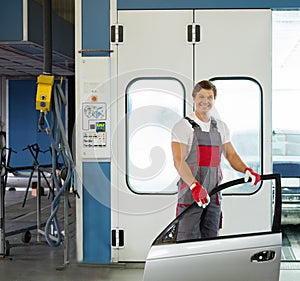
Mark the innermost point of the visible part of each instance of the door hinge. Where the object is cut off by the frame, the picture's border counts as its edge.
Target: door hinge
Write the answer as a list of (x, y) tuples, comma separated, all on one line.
[(116, 33), (193, 33), (117, 238)]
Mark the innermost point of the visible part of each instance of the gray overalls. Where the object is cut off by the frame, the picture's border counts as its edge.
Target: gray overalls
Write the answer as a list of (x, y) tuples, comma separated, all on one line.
[(204, 161)]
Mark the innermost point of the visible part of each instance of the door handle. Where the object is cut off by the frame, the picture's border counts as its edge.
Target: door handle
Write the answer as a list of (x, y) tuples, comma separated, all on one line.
[(263, 256)]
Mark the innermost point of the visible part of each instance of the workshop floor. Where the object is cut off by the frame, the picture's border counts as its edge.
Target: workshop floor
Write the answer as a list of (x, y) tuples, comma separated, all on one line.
[(40, 262)]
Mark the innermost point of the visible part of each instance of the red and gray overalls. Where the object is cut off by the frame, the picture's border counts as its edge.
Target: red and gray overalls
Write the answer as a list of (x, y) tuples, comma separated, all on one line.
[(204, 161)]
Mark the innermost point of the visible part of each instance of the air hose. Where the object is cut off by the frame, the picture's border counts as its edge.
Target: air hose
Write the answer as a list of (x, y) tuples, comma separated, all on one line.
[(59, 144), (60, 150)]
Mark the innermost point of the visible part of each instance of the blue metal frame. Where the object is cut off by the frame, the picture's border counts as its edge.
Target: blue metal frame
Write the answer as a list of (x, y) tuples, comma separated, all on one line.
[(96, 27), (96, 212), (11, 21)]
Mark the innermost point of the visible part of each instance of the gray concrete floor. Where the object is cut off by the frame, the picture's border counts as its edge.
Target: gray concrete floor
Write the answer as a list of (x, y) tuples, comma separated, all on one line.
[(42, 262), (47, 264), (38, 261)]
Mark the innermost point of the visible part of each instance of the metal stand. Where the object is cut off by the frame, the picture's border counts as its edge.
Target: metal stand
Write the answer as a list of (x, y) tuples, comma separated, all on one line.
[(66, 232), (4, 245), (66, 226), (3, 173), (26, 234), (2, 218), (34, 151)]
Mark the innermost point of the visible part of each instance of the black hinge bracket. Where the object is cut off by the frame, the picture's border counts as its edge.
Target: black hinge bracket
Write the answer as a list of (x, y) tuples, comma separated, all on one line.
[(193, 33), (117, 33)]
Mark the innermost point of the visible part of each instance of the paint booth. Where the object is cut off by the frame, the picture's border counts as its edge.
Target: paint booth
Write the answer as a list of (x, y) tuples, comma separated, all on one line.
[(136, 67)]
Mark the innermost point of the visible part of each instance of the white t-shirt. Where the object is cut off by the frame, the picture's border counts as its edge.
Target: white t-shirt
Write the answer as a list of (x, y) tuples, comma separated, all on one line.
[(183, 132)]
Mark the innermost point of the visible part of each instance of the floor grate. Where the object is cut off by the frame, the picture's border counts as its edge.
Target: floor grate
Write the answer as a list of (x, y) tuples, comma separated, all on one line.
[(290, 265), (287, 254)]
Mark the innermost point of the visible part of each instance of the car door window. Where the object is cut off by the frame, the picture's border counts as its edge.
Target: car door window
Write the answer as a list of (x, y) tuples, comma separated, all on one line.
[(170, 234)]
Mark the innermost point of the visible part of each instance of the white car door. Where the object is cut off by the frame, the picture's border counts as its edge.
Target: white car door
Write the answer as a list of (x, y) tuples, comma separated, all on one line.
[(252, 256)]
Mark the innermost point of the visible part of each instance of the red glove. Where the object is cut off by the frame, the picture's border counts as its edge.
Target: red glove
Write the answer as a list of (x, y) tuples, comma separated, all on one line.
[(251, 174), (200, 195)]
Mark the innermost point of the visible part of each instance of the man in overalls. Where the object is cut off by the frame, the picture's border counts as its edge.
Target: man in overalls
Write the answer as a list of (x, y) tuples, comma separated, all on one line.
[(197, 144)]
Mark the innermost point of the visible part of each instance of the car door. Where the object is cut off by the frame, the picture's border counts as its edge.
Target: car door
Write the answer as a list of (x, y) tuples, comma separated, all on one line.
[(252, 256)]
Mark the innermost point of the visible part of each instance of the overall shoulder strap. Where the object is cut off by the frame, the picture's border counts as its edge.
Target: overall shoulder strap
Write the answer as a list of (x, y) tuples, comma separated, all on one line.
[(213, 124), (192, 122)]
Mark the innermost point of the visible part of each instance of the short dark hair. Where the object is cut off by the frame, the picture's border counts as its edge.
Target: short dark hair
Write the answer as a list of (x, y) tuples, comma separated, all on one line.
[(204, 84)]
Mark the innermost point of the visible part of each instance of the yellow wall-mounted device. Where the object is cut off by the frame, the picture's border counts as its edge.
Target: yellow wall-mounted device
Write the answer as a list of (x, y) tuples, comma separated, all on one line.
[(44, 91)]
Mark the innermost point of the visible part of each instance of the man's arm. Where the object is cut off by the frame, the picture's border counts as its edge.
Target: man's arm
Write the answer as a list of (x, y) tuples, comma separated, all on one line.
[(179, 151), (198, 192)]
